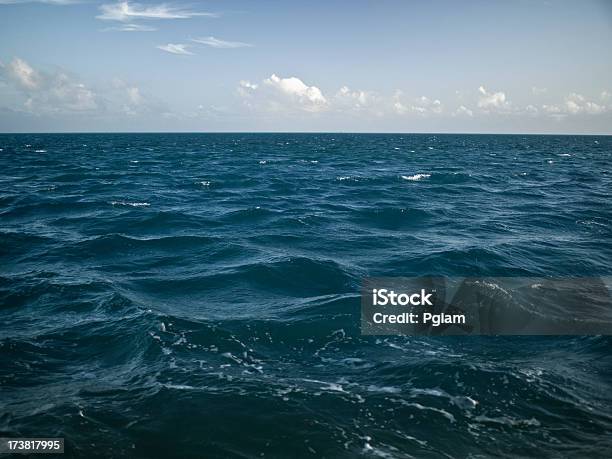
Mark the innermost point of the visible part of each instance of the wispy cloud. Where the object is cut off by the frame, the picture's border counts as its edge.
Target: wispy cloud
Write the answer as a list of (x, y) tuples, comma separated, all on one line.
[(176, 48), (217, 43), (130, 28), (50, 2), (127, 12)]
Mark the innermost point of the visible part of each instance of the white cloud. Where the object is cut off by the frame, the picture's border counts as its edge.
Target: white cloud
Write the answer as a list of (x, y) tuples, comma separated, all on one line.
[(58, 93), (576, 103), (54, 92), (605, 95), (492, 100), (552, 109), (23, 74), (356, 100), (309, 98), (538, 91), (176, 48), (430, 106), (134, 96), (131, 28), (400, 108), (132, 101), (217, 43), (246, 88), (247, 84), (50, 2), (127, 12), (463, 111), (423, 105), (128, 99)]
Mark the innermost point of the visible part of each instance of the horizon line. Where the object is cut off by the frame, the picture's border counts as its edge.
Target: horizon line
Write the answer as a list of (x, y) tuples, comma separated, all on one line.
[(305, 132)]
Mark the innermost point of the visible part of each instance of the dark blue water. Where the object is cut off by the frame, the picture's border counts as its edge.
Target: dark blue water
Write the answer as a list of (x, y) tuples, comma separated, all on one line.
[(178, 295)]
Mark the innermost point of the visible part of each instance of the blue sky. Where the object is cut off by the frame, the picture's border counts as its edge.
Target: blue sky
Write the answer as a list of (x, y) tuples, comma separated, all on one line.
[(384, 66)]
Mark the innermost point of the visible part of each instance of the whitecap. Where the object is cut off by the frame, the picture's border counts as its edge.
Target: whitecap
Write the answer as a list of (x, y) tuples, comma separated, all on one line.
[(384, 389), (416, 177), (179, 386), (40, 151), (565, 154), (131, 204), (204, 183)]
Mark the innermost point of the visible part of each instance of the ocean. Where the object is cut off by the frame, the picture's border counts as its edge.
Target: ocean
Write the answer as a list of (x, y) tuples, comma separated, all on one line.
[(198, 295)]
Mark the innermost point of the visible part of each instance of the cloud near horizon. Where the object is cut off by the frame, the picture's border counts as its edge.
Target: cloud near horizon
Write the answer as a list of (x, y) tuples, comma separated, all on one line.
[(58, 93), (279, 94), (291, 94)]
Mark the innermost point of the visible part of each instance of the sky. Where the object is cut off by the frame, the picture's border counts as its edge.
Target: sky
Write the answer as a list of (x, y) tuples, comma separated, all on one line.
[(490, 66)]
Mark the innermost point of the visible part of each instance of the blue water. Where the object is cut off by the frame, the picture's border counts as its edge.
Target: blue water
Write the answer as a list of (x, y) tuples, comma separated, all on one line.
[(197, 295)]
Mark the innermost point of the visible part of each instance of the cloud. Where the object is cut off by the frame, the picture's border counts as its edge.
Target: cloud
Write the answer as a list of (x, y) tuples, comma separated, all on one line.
[(23, 74), (357, 101), (49, 92), (400, 108), (127, 12), (309, 98), (427, 105), (217, 43), (128, 99), (538, 91), (492, 100), (463, 111), (176, 48), (247, 84), (576, 103), (552, 109), (246, 88), (131, 28), (423, 105), (49, 2), (57, 93)]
